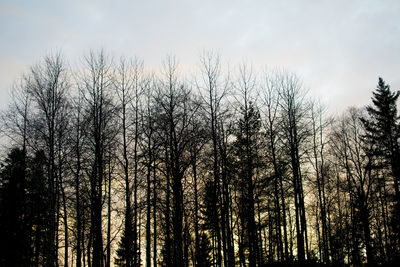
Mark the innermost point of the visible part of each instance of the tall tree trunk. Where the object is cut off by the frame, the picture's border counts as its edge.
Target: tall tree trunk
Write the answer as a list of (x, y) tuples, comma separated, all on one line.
[(148, 202), (66, 241), (366, 229), (177, 215), (136, 249), (229, 253), (155, 186), (298, 208), (78, 211), (108, 256), (196, 207), (216, 185), (167, 213)]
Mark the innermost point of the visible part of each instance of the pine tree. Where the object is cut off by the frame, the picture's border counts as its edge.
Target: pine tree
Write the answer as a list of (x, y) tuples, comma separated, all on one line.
[(246, 152), (39, 207), (382, 135), (14, 244), (122, 253)]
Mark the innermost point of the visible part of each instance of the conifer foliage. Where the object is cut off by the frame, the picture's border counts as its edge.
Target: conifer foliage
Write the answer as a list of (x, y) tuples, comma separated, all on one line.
[(382, 132)]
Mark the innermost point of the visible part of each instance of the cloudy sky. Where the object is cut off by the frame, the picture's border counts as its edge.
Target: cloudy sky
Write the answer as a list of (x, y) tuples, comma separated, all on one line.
[(338, 48)]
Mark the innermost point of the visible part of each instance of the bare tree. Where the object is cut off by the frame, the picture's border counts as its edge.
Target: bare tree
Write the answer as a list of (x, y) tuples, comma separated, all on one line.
[(357, 163), (318, 125), (128, 82), (270, 96), (247, 143), (96, 85), (150, 153), (76, 138), (178, 112), (48, 85), (15, 120), (203, 179), (214, 89), (294, 122)]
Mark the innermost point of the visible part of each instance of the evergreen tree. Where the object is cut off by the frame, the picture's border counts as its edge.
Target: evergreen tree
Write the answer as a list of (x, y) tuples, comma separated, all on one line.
[(208, 211), (382, 124), (122, 253), (39, 208), (247, 141), (24, 210), (382, 135), (14, 244)]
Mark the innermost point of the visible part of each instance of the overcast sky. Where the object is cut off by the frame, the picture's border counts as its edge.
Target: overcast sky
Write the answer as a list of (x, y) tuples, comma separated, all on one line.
[(338, 48)]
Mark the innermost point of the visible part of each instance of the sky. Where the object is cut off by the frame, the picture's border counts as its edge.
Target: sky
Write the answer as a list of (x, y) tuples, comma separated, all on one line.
[(338, 48)]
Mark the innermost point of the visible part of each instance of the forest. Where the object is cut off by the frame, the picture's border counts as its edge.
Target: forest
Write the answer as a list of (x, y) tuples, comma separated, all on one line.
[(113, 164)]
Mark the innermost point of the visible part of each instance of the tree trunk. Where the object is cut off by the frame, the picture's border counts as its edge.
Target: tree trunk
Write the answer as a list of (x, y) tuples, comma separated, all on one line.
[(155, 186), (148, 203)]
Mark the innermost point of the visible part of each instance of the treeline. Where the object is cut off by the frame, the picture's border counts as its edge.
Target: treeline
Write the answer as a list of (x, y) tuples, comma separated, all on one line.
[(109, 164)]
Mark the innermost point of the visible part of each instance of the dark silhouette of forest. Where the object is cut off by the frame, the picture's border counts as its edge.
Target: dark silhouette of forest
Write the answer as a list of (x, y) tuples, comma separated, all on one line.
[(111, 164)]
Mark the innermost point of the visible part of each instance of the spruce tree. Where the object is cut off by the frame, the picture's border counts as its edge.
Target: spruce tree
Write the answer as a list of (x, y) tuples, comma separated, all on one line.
[(14, 232), (246, 149), (382, 138), (121, 257)]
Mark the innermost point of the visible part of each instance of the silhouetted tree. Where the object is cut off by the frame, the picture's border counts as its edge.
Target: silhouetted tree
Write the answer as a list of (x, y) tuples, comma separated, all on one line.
[(294, 124), (318, 126), (214, 89), (76, 167), (360, 181), (248, 161), (15, 225), (382, 134), (270, 107), (178, 111), (48, 85), (128, 82), (96, 87), (207, 176)]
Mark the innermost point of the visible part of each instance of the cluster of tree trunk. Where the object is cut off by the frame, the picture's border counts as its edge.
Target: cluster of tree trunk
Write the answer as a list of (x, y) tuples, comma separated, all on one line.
[(109, 164)]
